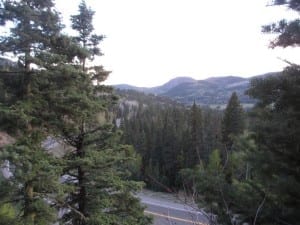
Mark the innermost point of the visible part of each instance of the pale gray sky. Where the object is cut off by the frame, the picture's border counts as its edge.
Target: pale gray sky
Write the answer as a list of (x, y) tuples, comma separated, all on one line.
[(152, 41)]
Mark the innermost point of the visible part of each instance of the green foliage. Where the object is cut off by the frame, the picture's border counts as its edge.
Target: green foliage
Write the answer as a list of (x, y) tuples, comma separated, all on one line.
[(52, 96), (234, 201), (7, 214), (155, 132), (103, 175), (214, 163), (233, 122), (293, 4), (263, 170), (35, 173), (82, 23), (38, 172), (167, 135), (194, 153), (36, 24), (289, 31), (263, 165), (98, 169), (276, 133)]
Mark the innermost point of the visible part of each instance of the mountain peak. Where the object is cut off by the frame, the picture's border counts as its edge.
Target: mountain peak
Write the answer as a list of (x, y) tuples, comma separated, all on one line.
[(175, 82), (182, 79)]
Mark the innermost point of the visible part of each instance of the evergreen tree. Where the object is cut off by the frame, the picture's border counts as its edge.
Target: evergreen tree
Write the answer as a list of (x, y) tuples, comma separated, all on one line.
[(63, 99), (236, 201), (98, 168), (37, 24), (211, 132), (233, 121), (168, 164), (276, 127), (194, 154), (277, 135), (82, 23), (264, 165), (35, 172), (289, 31)]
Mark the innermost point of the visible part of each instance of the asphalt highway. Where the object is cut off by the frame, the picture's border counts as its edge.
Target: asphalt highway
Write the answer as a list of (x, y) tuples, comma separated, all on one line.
[(167, 212)]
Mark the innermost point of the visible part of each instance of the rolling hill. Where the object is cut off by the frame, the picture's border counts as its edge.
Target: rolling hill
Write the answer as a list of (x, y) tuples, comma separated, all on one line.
[(214, 91)]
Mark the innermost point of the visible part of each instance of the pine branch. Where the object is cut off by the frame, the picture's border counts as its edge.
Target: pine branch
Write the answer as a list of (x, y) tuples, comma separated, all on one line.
[(288, 62), (66, 205), (13, 200), (225, 203), (259, 209), (169, 190)]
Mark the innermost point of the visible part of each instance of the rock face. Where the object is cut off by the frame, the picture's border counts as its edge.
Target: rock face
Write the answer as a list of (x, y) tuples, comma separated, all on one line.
[(5, 170), (56, 147), (5, 139)]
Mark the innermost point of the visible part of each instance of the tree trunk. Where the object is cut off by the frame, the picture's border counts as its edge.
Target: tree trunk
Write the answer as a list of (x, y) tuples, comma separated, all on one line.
[(81, 196), (82, 192), (29, 214)]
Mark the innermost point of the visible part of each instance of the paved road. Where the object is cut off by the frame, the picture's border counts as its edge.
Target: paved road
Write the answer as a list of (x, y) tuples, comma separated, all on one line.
[(168, 212)]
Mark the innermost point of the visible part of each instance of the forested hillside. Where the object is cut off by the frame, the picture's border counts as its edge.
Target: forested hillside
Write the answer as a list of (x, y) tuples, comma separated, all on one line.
[(170, 136), (213, 92), (167, 135)]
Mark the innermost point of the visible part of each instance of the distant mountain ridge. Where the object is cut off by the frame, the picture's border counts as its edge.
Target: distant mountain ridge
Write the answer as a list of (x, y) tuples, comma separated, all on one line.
[(158, 89), (171, 84), (213, 91)]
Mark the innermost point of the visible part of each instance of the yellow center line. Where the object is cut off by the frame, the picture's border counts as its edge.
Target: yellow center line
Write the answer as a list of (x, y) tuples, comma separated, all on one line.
[(174, 218)]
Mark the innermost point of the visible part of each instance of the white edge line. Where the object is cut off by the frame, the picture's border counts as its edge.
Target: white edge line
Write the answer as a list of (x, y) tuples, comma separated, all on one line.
[(171, 207)]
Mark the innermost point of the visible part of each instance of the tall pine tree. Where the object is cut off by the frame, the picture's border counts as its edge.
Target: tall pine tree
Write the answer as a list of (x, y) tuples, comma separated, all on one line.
[(98, 168), (233, 121), (276, 129), (35, 173), (82, 23), (194, 153), (51, 94)]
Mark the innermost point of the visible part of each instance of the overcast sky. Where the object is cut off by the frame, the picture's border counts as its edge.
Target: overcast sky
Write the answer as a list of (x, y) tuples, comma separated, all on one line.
[(152, 41)]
